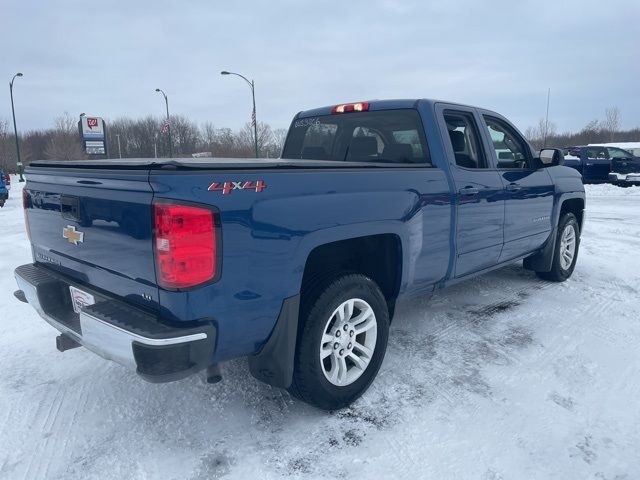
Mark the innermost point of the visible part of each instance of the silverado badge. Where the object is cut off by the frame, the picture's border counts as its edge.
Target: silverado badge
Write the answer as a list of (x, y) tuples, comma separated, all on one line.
[(69, 232)]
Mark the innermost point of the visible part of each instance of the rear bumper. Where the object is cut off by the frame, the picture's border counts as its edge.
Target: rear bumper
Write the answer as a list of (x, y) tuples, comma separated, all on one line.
[(118, 331), (624, 177)]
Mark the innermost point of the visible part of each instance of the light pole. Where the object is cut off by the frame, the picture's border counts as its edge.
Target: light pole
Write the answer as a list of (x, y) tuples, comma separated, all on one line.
[(253, 114), (119, 151), (15, 129), (166, 102)]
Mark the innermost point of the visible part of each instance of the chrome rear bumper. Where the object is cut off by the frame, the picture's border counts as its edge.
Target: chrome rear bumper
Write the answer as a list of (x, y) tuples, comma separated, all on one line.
[(116, 330)]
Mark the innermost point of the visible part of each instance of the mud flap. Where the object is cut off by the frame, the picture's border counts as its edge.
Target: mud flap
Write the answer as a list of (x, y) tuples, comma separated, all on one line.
[(543, 260), (274, 363)]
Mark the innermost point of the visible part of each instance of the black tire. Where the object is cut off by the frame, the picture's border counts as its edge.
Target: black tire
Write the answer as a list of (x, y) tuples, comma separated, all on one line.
[(309, 381), (558, 273)]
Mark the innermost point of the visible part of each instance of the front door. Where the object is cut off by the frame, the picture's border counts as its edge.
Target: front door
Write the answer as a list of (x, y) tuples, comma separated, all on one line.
[(479, 193), (529, 191), (597, 165)]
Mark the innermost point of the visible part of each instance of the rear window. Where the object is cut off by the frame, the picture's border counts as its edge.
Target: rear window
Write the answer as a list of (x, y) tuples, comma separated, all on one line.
[(385, 136)]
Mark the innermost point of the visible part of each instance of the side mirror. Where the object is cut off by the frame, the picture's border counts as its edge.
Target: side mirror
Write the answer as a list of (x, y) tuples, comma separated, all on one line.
[(550, 157)]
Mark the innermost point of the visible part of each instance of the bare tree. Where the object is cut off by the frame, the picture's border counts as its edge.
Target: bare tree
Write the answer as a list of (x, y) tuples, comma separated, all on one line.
[(7, 151), (541, 133), (612, 121), (65, 143), (279, 137), (265, 138)]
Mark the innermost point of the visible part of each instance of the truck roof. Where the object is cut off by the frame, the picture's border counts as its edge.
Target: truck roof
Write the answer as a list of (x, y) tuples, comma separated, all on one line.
[(380, 105)]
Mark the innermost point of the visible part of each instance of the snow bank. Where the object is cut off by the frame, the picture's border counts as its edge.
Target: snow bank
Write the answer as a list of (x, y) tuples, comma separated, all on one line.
[(608, 190)]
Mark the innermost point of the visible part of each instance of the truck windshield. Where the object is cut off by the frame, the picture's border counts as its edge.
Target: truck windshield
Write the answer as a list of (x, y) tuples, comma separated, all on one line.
[(387, 136)]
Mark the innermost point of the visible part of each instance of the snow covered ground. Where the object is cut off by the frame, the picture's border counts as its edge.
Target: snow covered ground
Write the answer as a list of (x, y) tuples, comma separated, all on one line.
[(501, 377)]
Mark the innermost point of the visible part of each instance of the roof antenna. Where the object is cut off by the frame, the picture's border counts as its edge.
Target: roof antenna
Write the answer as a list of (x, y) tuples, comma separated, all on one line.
[(546, 122)]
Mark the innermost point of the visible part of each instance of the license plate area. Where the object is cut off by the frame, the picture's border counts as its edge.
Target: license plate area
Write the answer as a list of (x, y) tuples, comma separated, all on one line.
[(80, 298)]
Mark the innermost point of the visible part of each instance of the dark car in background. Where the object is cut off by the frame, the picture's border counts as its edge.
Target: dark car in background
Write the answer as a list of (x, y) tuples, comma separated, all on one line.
[(595, 162)]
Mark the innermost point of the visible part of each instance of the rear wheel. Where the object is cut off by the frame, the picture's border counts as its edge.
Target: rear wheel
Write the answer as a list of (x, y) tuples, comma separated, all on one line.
[(566, 250), (341, 342)]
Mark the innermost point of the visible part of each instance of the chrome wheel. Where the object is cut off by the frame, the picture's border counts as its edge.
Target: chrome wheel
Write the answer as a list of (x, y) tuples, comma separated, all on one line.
[(348, 342), (567, 247)]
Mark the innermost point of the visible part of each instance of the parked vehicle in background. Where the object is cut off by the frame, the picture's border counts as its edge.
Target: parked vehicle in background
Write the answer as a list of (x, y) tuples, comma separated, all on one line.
[(594, 162), (4, 191), (625, 167), (296, 263), (631, 147), (6, 178)]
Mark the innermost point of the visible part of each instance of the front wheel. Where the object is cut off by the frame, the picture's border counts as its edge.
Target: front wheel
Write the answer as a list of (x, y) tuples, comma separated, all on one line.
[(341, 342), (565, 254)]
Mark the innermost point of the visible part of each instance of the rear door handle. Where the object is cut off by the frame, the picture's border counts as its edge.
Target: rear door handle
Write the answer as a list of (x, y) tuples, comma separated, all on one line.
[(513, 187), (469, 191)]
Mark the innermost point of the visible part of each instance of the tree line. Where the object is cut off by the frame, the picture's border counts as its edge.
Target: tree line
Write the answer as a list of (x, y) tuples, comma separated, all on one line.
[(140, 138), (603, 130), (145, 138)]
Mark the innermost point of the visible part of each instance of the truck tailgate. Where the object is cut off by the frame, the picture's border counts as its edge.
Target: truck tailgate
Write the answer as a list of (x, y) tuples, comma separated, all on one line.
[(96, 227)]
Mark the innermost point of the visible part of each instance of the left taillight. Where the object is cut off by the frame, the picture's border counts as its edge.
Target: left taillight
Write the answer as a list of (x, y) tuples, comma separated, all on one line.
[(25, 205), (186, 244)]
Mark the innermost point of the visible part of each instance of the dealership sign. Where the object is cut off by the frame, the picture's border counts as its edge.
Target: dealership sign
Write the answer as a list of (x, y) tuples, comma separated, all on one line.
[(92, 130)]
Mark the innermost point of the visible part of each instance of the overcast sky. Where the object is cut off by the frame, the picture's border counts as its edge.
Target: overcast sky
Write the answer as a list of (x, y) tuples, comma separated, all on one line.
[(107, 57)]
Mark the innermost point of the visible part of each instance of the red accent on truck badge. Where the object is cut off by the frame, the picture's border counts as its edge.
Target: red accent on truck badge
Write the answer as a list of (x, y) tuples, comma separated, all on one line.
[(227, 187)]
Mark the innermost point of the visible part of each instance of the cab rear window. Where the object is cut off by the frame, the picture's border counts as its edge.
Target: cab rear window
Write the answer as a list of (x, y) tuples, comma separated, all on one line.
[(385, 136)]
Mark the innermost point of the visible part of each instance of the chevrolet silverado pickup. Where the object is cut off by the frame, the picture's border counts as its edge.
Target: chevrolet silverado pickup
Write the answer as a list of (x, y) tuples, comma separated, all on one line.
[(175, 266)]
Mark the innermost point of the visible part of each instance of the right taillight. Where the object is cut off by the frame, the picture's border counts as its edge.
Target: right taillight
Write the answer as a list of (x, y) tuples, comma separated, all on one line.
[(186, 244), (25, 206)]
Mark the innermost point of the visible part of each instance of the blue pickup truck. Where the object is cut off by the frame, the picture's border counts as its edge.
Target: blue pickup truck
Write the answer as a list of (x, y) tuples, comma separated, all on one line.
[(596, 163), (174, 266)]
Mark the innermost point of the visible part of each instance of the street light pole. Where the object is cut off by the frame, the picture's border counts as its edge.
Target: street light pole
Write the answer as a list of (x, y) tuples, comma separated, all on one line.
[(166, 102), (15, 129), (253, 114), (119, 150)]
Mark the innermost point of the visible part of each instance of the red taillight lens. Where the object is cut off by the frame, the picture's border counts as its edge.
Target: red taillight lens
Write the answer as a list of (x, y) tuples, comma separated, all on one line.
[(25, 205), (351, 107), (185, 245)]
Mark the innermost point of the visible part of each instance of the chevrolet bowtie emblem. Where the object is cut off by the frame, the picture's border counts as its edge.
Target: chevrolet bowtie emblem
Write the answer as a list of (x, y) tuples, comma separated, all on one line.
[(69, 232)]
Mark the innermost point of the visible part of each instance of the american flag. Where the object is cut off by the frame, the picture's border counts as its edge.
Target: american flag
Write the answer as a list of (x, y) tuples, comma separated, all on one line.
[(165, 127), (253, 118)]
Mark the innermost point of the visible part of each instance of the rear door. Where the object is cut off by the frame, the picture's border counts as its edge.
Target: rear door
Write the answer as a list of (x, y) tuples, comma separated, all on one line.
[(95, 226), (478, 190), (528, 191)]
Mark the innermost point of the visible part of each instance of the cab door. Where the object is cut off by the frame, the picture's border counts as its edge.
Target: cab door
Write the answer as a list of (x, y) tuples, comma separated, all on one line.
[(597, 165), (479, 192), (528, 190)]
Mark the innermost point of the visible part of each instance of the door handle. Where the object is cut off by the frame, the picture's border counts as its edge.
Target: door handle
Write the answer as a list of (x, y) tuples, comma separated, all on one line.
[(513, 187), (469, 191)]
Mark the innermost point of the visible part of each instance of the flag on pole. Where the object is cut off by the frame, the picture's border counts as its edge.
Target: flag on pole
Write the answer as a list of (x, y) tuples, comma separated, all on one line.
[(165, 126), (253, 118)]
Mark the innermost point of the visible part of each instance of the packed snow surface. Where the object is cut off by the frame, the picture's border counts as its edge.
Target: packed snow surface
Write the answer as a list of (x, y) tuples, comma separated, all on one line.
[(501, 377)]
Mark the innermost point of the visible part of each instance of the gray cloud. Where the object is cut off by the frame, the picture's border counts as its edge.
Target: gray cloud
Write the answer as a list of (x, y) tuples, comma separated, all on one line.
[(106, 58)]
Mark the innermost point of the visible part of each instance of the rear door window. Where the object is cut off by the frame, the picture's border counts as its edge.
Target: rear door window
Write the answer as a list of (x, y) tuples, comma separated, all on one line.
[(383, 136), (465, 140)]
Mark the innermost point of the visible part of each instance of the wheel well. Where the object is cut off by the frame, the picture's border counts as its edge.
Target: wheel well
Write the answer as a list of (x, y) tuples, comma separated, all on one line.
[(575, 206), (376, 256)]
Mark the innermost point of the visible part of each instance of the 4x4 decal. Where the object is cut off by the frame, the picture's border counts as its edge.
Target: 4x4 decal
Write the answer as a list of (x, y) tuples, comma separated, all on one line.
[(227, 187)]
